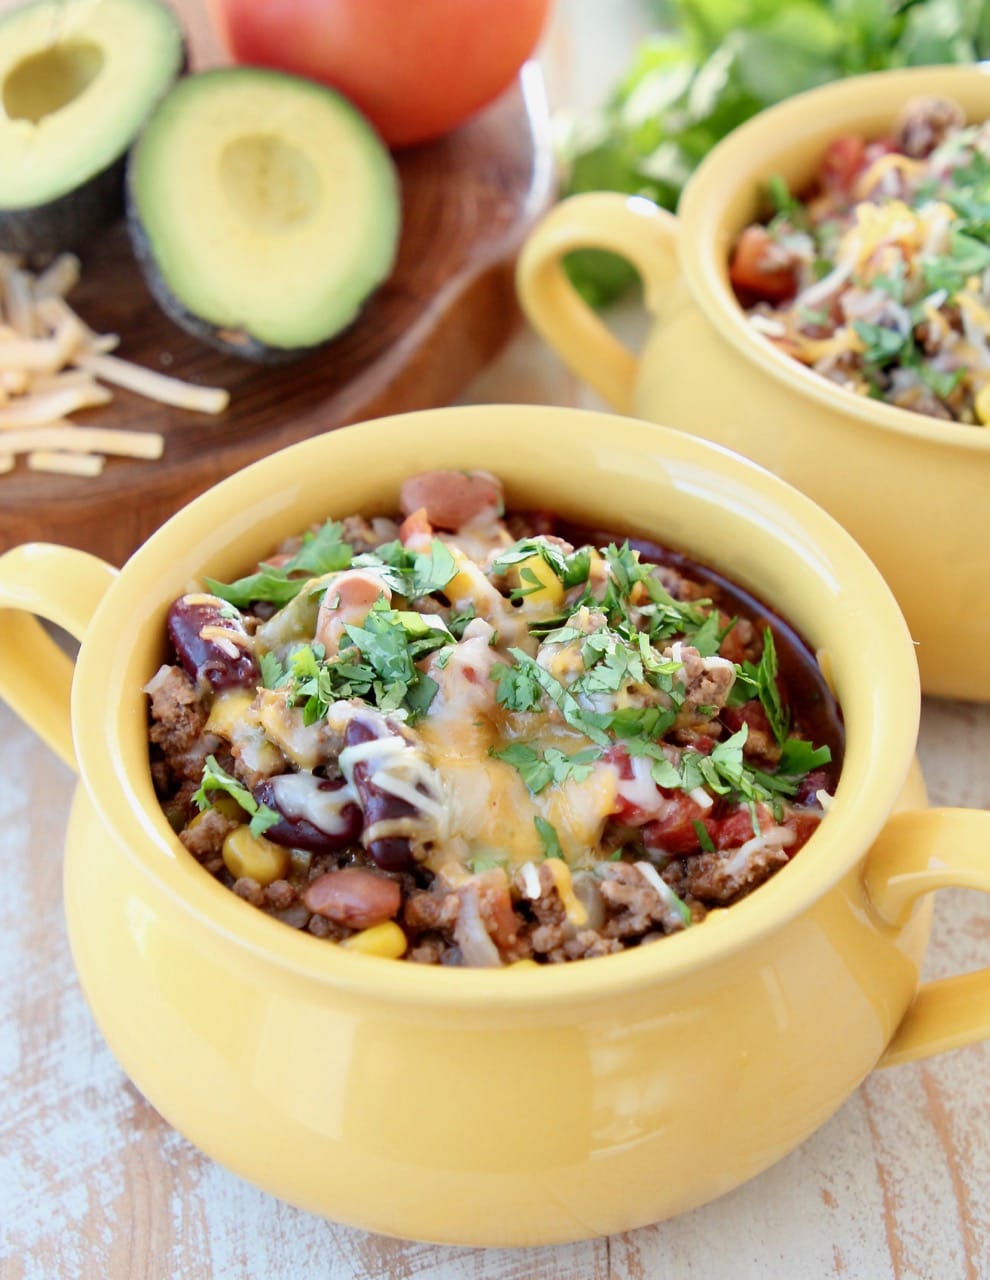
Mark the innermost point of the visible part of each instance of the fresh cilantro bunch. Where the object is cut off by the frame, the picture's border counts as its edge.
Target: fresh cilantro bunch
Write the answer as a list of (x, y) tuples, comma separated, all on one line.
[(715, 63)]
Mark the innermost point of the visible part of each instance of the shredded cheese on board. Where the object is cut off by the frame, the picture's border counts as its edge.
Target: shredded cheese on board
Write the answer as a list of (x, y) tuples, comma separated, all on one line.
[(52, 364)]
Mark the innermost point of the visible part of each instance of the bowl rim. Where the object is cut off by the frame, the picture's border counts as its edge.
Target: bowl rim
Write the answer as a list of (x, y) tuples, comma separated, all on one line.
[(881, 718), (704, 244)]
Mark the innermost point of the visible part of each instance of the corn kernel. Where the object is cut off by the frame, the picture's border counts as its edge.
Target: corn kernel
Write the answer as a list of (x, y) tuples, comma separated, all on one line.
[(551, 589), (526, 963), (385, 940), (254, 856), (982, 404)]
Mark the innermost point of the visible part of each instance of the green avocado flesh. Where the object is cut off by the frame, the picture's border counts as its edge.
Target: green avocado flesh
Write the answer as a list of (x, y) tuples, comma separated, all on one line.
[(263, 209), (78, 79)]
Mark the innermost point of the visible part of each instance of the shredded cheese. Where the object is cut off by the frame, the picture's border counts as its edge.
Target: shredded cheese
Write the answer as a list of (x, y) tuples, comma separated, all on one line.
[(69, 439), (69, 464), (156, 386), (52, 364)]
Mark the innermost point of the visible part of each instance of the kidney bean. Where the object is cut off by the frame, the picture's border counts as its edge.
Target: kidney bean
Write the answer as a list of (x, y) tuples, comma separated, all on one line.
[(355, 897), (211, 658), (323, 827), (391, 853), (451, 499)]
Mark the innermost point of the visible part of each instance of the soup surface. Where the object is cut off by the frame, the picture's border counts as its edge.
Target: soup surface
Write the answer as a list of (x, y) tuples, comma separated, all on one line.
[(878, 277), (470, 739)]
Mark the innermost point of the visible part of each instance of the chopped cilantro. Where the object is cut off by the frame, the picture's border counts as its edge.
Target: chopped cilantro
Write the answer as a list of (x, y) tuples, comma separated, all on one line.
[(548, 838), (799, 757), (759, 680), (486, 863), (216, 779), (320, 553), (552, 766), (516, 689), (704, 839), (941, 382), (781, 199), (411, 573), (571, 569), (967, 256), (378, 665), (883, 344), (588, 722), (272, 671), (457, 622)]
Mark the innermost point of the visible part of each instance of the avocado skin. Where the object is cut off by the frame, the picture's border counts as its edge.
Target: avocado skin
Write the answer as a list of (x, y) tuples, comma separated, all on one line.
[(244, 346), (68, 221)]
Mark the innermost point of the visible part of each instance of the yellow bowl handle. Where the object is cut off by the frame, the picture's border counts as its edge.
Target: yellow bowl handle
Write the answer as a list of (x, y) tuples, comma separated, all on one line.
[(64, 586), (916, 853), (630, 226)]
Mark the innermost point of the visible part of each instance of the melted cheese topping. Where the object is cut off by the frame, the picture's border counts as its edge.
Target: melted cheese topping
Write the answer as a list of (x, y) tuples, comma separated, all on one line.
[(298, 795)]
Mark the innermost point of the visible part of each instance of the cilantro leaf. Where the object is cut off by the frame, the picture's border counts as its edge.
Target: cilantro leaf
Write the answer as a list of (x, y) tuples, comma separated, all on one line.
[(588, 722), (515, 688), (320, 553), (272, 672), (799, 757), (882, 343), (548, 838), (553, 766), (759, 680), (411, 573), (216, 779)]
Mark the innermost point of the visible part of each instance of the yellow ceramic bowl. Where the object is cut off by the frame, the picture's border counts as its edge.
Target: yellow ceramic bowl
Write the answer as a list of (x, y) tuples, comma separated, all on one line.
[(915, 492), (518, 1106)]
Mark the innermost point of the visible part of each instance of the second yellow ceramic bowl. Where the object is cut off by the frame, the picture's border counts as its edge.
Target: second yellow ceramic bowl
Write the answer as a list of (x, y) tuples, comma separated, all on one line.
[(521, 1106), (913, 491)]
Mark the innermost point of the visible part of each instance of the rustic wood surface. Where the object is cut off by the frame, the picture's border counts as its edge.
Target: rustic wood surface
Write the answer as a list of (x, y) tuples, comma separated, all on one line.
[(93, 1184), (449, 305)]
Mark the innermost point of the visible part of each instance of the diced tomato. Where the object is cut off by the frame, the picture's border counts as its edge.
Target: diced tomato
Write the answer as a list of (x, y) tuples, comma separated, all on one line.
[(736, 828), (804, 825), (675, 832), (844, 160), (753, 272)]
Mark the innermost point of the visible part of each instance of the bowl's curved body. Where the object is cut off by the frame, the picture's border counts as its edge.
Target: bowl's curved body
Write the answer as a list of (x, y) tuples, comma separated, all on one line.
[(515, 1106), (475, 1124)]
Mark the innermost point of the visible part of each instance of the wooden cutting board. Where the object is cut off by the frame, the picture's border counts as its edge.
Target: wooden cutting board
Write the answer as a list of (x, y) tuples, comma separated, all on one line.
[(468, 201)]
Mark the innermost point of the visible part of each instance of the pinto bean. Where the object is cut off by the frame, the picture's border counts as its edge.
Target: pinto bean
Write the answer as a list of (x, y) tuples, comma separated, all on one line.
[(323, 827), (355, 897), (391, 853), (199, 627), (452, 499), (347, 601)]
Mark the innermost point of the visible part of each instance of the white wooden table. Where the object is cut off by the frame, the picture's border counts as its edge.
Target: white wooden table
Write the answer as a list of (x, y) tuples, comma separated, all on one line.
[(94, 1184)]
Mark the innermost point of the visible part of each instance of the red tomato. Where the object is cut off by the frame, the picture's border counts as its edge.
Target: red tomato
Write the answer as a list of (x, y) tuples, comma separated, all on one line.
[(416, 68), (752, 272)]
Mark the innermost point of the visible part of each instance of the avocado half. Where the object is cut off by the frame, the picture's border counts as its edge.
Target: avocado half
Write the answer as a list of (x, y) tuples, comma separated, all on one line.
[(263, 209), (78, 79)]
